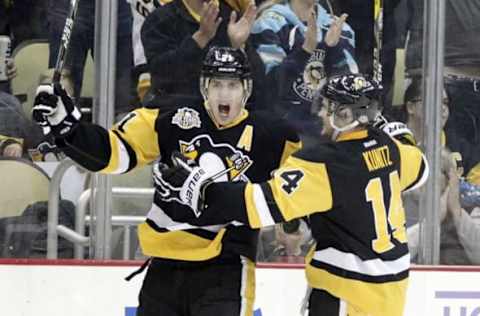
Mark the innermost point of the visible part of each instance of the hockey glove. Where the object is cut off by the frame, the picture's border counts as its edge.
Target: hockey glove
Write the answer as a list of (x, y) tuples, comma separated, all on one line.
[(184, 183), (397, 130), (54, 110)]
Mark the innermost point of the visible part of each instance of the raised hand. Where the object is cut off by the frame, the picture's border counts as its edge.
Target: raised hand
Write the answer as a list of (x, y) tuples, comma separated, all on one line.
[(310, 42), (54, 111), (335, 30), (209, 22), (239, 30)]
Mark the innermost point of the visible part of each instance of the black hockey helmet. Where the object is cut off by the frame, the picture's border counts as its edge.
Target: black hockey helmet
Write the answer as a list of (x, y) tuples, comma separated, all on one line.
[(226, 62), (355, 91)]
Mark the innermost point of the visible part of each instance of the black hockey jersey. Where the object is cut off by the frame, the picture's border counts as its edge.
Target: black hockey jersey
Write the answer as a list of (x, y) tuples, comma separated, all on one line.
[(351, 191), (144, 135)]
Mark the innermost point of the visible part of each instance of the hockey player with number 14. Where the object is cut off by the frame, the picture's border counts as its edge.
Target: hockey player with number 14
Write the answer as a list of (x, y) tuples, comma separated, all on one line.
[(194, 271), (351, 191)]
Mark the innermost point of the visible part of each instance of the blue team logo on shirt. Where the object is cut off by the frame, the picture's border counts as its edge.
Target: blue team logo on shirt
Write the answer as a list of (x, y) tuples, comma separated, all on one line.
[(313, 77)]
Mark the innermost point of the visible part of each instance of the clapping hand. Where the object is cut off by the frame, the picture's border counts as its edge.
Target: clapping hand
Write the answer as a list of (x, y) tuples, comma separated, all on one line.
[(335, 31), (209, 22), (239, 30)]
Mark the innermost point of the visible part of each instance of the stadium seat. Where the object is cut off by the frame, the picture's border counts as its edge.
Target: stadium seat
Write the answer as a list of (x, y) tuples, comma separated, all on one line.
[(22, 184), (31, 59)]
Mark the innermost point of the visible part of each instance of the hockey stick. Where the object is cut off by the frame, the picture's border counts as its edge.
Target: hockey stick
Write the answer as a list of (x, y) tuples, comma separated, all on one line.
[(378, 43), (65, 41)]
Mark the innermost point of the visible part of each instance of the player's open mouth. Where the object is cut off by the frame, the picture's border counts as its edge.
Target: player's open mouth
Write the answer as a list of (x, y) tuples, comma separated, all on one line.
[(224, 110)]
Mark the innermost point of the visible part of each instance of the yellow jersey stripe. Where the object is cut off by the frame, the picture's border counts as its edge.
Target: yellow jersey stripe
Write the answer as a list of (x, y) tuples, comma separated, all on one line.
[(247, 290), (253, 217), (178, 245)]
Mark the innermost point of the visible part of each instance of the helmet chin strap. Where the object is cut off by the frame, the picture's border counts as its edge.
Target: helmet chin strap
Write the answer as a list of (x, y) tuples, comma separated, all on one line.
[(338, 130)]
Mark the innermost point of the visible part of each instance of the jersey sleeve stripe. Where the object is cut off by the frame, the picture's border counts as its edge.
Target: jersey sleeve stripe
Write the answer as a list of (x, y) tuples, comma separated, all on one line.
[(252, 214), (130, 152), (422, 176), (259, 210), (261, 204), (119, 159), (270, 200)]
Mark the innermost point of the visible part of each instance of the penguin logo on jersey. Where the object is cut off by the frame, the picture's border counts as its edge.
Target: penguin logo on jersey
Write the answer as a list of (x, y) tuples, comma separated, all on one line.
[(314, 76), (186, 118), (214, 158)]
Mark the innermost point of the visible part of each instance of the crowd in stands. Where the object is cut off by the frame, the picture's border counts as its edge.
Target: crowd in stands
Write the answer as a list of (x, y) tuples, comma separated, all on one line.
[(160, 46)]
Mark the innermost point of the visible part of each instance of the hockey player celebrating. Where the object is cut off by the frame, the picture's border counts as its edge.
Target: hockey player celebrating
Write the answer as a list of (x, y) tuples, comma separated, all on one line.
[(200, 271), (350, 189)]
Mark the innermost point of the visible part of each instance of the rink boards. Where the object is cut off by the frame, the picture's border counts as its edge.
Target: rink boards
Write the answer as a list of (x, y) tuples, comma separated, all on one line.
[(33, 288)]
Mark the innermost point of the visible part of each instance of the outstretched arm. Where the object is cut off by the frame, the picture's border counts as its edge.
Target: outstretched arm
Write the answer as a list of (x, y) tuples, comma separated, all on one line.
[(297, 189)]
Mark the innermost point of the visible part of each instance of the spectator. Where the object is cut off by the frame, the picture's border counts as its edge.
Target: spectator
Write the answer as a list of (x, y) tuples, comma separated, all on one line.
[(288, 242), (23, 20), (293, 241), (361, 18), (177, 36), (462, 62), (13, 126), (140, 10), (459, 235), (11, 73), (465, 225), (11, 69), (298, 58), (12, 120), (467, 156), (82, 42)]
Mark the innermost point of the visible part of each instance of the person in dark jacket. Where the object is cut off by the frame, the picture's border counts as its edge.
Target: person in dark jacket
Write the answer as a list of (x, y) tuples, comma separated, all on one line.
[(177, 36)]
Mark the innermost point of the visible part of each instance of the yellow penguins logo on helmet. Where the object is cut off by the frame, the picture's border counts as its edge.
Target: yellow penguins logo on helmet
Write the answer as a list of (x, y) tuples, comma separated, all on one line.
[(359, 83)]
